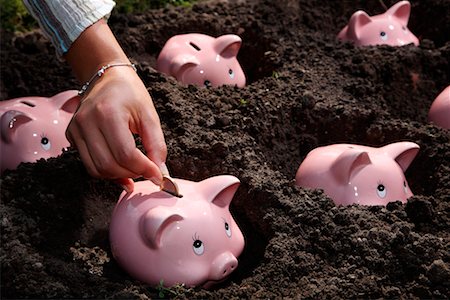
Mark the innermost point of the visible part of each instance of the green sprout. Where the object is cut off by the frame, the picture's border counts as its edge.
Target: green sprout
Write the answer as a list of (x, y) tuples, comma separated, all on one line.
[(243, 102), (275, 74), (173, 291), (15, 17)]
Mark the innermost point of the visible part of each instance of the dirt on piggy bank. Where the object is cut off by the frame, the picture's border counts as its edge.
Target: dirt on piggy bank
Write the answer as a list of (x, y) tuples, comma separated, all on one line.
[(305, 89)]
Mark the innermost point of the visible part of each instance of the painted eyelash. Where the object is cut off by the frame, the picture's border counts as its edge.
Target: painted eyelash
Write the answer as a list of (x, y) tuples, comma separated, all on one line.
[(195, 237)]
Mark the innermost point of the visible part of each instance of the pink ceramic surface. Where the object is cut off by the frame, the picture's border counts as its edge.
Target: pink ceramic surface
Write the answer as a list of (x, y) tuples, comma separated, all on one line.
[(355, 174), (389, 28), (34, 127), (439, 113), (202, 60), (192, 240)]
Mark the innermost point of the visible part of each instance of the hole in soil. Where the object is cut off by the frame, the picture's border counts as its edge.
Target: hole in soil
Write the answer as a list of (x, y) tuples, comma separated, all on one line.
[(248, 209), (285, 145), (427, 20), (257, 56), (255, 241)]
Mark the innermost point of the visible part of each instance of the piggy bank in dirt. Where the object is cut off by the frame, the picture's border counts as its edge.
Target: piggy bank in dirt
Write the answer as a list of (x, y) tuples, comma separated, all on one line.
[(191, 240), (439, 113), (34, 127), (202, 60), (356, 174), (389, 28)]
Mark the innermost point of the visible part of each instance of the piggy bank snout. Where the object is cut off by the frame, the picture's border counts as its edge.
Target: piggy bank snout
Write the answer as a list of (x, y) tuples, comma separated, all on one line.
[(223, 265)]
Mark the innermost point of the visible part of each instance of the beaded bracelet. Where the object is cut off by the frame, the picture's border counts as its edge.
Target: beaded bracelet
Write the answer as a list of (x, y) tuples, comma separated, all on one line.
[(100, 73)]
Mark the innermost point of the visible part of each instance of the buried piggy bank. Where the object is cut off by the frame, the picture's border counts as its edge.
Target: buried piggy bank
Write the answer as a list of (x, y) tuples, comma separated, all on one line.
[(439, 113), (34, 127), (191, 240), (202, 60), (355, 174), (389, 28)]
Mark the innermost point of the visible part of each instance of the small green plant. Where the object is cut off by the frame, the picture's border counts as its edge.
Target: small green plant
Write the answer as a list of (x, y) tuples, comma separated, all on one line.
[(243, 102), (173, 291), (14, 16), (275, 74)]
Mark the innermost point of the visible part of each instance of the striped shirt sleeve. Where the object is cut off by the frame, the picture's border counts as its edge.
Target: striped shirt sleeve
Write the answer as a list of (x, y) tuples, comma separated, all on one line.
[(62, 21)]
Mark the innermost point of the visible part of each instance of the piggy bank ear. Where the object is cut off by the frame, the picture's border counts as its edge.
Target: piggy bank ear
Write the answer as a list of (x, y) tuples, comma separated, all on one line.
[(10, 121), (401, 11), (348, 164), (154, 222), (228, 45), (219, 190), (358, 20), (402, 152), (67, 101), (181, 63)]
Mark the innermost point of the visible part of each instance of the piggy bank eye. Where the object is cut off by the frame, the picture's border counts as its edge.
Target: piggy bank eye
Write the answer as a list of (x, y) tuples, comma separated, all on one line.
[(198, 247), (383, 36), (231, 73), (405, 187), (381, 190), (227, 229), (45, 143), (207, 83)]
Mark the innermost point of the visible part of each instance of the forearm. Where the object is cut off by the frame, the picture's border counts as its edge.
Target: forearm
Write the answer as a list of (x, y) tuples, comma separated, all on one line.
[(94, 48)]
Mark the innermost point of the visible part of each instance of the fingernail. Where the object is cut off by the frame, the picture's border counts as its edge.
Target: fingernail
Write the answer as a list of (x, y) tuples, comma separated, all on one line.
[(155, 180), (126, 188), (164, 170)]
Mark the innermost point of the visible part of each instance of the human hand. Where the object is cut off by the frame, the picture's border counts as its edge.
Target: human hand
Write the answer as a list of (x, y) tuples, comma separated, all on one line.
[(117, 105)]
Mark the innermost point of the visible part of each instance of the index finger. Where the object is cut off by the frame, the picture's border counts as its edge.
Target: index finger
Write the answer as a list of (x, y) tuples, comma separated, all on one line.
[(123, 147)]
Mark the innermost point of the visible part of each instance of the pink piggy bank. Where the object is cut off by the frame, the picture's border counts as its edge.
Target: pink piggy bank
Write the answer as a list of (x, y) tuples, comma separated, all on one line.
[(34, 127), (355, 174), (202, 60), (439, 113), (389, 28), (192, 240)]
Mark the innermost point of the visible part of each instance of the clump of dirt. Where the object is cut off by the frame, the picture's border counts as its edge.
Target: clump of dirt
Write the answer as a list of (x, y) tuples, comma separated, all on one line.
[(305, 89)]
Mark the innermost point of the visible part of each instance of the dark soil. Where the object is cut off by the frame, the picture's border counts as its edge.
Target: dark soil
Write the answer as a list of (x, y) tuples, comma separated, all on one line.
[(305, 89)]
